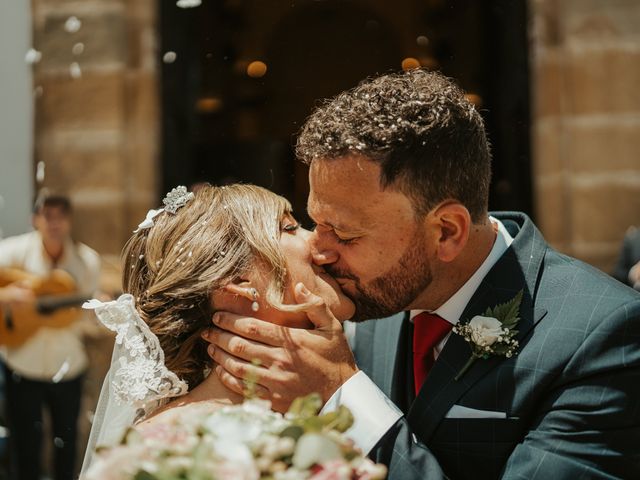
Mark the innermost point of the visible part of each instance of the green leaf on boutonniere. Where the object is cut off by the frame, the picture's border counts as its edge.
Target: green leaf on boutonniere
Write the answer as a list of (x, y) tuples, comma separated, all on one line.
[(508, 313)]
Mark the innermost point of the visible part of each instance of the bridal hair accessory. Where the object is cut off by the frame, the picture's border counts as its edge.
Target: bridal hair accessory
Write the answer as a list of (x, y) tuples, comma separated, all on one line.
[(255, 306), (148, 221), (176, 198), (140, 377)]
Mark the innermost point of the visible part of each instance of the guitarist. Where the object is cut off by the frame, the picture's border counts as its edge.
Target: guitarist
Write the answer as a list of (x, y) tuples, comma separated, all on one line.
[(47, 370)]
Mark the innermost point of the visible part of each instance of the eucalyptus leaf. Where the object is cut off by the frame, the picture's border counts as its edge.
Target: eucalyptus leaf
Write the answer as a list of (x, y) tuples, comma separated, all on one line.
[(312, 424), (340, 419), (144, 475), (293, 431), (305, 407)]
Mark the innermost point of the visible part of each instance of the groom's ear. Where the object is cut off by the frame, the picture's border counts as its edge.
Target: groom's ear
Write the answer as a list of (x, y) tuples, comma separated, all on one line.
[(453, 224)]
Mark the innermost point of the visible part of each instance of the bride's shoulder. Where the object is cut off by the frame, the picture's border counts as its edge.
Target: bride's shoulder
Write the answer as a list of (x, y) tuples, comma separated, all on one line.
[(175, 414)]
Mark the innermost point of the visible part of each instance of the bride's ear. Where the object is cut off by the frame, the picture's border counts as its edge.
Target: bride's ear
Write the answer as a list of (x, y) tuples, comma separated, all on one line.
[(242, 289)]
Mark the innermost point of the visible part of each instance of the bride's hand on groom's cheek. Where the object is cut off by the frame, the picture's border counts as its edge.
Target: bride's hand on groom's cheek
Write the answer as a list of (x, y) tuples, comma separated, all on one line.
[(290, 362)]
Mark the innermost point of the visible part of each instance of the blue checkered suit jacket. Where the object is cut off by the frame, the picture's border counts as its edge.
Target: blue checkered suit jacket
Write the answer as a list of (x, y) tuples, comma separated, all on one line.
[(571, 394)]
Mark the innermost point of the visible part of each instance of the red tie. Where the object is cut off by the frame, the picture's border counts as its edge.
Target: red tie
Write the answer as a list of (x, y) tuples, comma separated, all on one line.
[(428, 331)]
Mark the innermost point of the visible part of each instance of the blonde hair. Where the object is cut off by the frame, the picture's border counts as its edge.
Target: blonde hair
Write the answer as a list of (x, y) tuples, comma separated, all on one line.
[(173, 268)]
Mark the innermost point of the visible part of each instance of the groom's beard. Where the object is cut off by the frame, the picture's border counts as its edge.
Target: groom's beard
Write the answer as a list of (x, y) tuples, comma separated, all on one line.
[(393, 291)]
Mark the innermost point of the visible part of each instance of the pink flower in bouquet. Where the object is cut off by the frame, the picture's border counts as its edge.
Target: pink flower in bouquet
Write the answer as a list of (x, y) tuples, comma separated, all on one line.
[(169, 436), (337, 469), (235, 471), (123, 462)]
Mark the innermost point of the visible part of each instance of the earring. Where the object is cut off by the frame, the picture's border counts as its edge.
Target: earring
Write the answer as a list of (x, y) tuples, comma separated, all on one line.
[(255, 306)]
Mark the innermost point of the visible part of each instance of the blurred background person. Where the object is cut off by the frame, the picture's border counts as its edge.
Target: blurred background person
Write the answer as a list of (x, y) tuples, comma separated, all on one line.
[(627, 268), (45, 369)]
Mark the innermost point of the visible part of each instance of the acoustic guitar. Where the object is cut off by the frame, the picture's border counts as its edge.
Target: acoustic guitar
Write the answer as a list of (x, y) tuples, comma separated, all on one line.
[(56, 305)]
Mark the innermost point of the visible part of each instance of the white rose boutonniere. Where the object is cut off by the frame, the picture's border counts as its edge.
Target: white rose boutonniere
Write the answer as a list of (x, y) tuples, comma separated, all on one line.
[(491, 333)]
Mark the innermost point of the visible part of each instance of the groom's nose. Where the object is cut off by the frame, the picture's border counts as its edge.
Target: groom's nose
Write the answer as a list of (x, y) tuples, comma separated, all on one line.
[(324, 257), (320, 253)]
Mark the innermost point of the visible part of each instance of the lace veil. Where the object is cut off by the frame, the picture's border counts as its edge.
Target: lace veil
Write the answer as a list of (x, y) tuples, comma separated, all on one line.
[(137, 382)]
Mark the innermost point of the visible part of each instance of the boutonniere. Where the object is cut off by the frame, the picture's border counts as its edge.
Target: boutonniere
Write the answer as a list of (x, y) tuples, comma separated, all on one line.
[(491, 333)]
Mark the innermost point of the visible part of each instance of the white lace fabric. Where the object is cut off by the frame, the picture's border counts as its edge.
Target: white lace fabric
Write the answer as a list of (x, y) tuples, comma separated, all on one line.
[(141, 378), (138, 381)]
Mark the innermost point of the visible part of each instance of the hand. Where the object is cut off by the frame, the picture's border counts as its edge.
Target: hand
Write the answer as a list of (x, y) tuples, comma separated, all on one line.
[(16, 295), (634, 276), (292, 362)]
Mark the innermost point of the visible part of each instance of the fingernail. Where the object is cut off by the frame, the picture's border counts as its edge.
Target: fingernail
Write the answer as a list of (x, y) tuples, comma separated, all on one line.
[(304, 290), (211, 349), (205, 334), (216, 318)]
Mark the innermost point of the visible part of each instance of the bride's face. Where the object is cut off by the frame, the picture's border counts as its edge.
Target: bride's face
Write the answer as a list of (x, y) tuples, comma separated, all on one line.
[(300, 268)]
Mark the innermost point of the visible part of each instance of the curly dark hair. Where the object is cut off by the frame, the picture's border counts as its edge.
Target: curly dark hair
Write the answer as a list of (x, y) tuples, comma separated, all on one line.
[(427, 137)]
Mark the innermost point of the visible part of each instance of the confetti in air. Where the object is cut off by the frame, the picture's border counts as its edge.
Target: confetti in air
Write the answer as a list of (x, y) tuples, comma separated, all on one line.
[(72, 25), (189, 3), (40, 170), (32, 56), (74, 70), (77, 49), (169, 57)]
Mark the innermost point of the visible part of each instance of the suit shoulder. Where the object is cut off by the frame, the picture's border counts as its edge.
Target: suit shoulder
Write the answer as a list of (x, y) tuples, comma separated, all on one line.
[(558, 265), (579, 290)]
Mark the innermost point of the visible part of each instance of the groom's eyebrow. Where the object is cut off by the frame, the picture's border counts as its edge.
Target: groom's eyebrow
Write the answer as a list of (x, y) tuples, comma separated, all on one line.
[(333, 224)]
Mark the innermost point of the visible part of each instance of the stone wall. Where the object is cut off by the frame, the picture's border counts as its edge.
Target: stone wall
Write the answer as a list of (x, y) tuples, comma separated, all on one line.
[(586, 123), (96, 133), (96, 126)]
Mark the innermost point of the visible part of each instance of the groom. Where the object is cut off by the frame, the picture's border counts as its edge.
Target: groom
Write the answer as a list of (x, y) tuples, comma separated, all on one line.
[(399, 176)]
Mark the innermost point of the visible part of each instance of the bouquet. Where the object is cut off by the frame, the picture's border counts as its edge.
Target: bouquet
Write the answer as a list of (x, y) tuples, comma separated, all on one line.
[(246, 442)]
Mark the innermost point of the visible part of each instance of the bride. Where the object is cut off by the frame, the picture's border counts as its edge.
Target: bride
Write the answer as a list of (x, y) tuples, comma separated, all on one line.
[(234, 246)]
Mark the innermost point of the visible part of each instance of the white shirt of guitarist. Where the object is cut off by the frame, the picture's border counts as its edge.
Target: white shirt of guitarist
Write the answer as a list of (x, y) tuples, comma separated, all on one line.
[(50, 354), (372, 423)]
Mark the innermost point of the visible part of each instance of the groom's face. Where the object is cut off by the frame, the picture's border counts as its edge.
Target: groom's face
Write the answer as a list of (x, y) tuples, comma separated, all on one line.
[(368, 238)]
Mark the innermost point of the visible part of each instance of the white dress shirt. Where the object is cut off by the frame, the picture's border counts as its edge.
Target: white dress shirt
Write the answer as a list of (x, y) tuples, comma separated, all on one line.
[(51, 354), (380, 414)]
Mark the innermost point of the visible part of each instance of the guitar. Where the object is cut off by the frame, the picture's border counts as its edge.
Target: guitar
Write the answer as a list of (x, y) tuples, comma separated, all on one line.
[(55, 305)]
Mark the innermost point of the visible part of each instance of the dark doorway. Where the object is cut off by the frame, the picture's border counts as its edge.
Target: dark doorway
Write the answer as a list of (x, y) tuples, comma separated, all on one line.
[(221, 124)]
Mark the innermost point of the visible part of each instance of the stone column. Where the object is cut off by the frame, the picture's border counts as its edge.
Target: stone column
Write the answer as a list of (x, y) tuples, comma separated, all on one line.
[(96, 132), (586, 123), (97, 112)]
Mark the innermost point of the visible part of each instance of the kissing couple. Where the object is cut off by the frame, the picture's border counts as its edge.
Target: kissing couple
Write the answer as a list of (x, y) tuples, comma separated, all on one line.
[(484, 354)]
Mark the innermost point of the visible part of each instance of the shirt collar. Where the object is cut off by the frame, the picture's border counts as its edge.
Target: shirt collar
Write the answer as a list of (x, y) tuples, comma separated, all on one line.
[(452, 309)]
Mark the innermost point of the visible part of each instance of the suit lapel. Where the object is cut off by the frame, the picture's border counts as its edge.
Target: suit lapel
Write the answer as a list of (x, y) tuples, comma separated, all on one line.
[(380, 351), (516, 270)]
